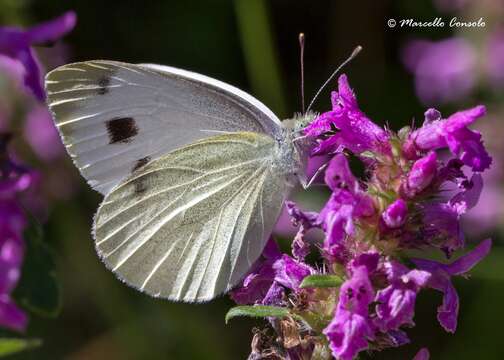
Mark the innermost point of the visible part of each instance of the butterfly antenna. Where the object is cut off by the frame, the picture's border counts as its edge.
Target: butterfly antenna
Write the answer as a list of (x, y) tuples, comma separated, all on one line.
[(301, 58), (350, 58), (317, 173)]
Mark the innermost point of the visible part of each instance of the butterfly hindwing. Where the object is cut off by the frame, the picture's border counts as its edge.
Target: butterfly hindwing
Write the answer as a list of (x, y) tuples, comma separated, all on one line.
[(114, 117), (188, 225)]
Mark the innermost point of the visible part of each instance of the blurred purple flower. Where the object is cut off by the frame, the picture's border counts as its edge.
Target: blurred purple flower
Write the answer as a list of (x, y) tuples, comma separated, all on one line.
[(441, 281), (351, 327), (453, 132), (423, 354), (450, 5), (42, 135), (495, 58), (444, 70), (347, 126), (14, 179), (396, 302), (12, 69), (16, 44), (489, 211)]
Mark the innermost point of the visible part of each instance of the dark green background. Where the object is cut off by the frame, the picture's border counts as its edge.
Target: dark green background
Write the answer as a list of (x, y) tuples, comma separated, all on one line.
[(251, 44)]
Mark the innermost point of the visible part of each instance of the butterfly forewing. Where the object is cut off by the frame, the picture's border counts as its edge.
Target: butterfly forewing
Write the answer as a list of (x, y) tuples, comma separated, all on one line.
[(115, 117), (188, 225)]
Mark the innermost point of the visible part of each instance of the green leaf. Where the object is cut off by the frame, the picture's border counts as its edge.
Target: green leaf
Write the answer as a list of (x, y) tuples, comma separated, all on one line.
[(258, 311), (38, 290), (321, 281), (13, 345)]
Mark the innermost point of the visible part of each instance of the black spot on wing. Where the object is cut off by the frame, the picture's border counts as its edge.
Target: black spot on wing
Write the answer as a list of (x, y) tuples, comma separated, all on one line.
[(140, 186), (103, 83), (121, 130), (141, 162)]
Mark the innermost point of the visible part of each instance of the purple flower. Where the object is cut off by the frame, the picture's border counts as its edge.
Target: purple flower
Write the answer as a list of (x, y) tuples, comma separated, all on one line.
[(347, 202), (11, 258), (396, 303), (290, 273), (12, 69), (444, 70), (346, 126), (441, 281), (442, 220), (16, 44), (368, 259), (421, 174), (305, 220), (256, 286), (42, 134), (495, 58), (13, 180), (423, 354), (265, 283), (453, 132), (410, 198), (351, 328), (395, 214)]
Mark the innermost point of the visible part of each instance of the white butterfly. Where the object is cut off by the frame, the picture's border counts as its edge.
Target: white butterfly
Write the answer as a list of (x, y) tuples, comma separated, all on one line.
[(194, 172)]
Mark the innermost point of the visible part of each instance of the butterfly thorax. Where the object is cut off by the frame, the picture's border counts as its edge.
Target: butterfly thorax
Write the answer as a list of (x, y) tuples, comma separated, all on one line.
[(293, 147)]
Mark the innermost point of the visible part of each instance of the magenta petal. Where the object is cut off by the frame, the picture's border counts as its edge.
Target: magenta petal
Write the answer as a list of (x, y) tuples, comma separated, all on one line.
[(339, 176), (470, 197), (396, 307), (52, 30), (421, 174), (469, 260), (33, 77), (357, 293), (354, 130), (395, 214), (454, 133), (348, 334), (368, 259), (257, 283), (16, 43), (440, 280), (11, 316), (423, 354), (448, 311), (42, 134), (396, 303), (290, 273)]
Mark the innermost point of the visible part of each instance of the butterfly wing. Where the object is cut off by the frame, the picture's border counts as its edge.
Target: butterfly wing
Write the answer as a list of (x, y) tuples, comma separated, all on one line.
[(189, 225), (115, 117)]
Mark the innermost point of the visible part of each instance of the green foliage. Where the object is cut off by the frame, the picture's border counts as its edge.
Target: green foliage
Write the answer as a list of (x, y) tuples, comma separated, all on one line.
[(38, 289), (321, 281), (258, 311), (14, 345)]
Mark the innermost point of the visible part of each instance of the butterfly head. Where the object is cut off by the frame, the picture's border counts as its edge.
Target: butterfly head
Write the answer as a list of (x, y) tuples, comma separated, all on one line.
[(296, 146), (299, 122)]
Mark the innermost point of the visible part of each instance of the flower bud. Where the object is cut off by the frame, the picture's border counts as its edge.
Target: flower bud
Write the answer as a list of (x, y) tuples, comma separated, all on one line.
[(395, 214), (422, 173)]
